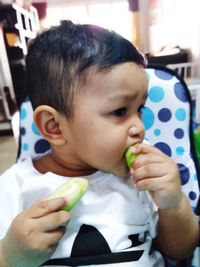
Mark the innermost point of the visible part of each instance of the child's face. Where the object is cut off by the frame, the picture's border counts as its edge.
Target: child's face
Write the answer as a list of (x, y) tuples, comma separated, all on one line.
[(107, 119)]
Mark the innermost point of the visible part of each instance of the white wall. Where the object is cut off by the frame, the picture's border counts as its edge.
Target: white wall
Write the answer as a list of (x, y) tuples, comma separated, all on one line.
[(179, 25), (177, 21), (111, 14)]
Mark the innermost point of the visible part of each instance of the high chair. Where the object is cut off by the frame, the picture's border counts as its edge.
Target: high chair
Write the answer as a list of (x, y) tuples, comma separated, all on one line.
[(167, 117)]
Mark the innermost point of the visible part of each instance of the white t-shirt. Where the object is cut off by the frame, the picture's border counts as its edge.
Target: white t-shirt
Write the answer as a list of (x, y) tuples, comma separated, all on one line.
[(113, 224)]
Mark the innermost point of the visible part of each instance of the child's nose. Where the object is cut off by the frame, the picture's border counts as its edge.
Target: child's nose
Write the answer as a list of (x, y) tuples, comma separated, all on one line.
[(137, 129)]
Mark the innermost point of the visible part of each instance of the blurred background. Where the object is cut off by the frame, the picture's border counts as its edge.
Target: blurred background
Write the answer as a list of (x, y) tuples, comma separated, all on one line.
[(166, 31)]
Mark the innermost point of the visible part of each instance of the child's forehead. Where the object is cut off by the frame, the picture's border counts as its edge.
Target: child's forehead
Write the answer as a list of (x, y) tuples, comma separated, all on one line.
[(118, 73), (120, 81)]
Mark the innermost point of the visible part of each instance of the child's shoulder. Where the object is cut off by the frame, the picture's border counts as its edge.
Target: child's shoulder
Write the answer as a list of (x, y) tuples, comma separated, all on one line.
[(18, 169)]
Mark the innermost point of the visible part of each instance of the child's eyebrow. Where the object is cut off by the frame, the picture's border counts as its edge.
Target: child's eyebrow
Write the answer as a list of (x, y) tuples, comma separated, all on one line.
[(127, 98), (123, 98)]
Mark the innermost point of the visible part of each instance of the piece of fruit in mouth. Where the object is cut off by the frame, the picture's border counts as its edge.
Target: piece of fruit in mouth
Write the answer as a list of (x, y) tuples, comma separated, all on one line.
[(72, 191), (130, 156)]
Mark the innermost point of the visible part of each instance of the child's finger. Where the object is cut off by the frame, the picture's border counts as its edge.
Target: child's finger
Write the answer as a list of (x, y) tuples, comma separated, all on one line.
[(145, 149), (150, 184), (55, 235), (45, 207), (148, 171), (46, 241), (146, 159), (53, 220)]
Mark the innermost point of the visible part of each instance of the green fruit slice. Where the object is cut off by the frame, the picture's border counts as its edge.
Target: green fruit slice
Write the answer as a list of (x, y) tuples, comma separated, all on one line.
[(130, 157), (72, 190)]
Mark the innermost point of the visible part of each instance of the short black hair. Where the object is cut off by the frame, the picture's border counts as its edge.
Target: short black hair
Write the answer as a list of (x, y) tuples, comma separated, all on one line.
[(58, 61)]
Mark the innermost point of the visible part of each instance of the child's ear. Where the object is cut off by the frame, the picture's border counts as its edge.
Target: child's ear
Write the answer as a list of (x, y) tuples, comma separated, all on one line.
[(47, 120)]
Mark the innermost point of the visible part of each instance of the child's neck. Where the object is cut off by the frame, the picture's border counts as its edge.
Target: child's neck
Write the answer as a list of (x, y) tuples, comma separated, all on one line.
[(49, 163)]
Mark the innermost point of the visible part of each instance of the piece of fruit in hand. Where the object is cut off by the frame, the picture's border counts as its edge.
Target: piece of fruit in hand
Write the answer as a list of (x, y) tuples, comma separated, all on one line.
[(72, 191), (130, 156)]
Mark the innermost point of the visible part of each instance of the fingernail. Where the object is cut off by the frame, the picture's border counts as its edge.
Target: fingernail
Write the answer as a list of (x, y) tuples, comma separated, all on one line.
[(134, 149)]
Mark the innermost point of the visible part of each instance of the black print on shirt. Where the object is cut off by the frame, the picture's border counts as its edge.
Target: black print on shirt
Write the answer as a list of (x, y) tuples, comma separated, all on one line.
[(90, 247)]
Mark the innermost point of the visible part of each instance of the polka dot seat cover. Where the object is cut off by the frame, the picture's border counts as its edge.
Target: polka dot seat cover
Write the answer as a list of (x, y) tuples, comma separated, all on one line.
[(166, 117), (31, 142), (168, 124), (167, 120)]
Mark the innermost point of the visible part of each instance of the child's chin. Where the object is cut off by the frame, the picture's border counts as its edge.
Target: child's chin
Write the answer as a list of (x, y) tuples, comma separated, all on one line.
[(122, 172)]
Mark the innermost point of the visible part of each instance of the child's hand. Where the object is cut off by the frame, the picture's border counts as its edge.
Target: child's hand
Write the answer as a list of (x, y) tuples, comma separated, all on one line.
[(34, 234), (158, 173)]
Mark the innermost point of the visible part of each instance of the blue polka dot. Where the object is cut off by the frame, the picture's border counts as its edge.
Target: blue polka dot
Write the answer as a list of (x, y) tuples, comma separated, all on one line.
[(157, 132), (180, 151), (179, 133), (156, 94), (25, 146), (22, 131), (163, 75), (23, 113), (165, 148), (180, 114), (184, 173), (180, 92), (41, 146), (195, 177), (192, 195), (35, 129), (164, 115), (147, 118)]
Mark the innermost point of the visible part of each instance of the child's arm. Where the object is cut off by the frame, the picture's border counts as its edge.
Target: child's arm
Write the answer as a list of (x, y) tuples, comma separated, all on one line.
[(178, 229), (34, 234)]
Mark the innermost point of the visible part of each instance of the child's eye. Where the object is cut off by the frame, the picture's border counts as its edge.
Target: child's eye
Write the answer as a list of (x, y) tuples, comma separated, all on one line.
[(120, 112)]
